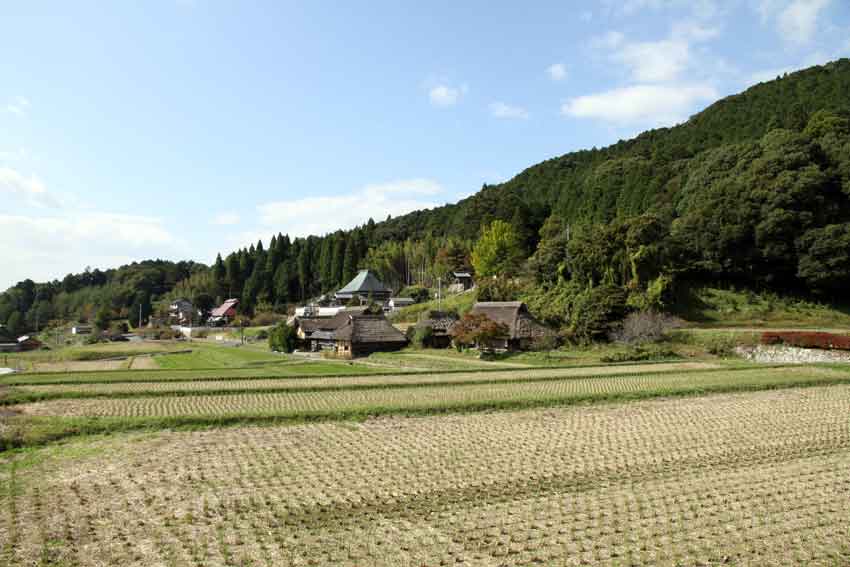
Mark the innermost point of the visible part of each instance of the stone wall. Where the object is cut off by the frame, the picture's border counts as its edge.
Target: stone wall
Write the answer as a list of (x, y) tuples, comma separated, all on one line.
[(790, 355)]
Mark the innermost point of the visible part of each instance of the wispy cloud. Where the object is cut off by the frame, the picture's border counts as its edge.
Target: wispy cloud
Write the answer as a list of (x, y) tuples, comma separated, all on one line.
[(502, 110), (226, 219), (643, 105), (557, 71), (18, 105), (18, 154), (319, 215), (30, 190), (798, 22), (444, 95)]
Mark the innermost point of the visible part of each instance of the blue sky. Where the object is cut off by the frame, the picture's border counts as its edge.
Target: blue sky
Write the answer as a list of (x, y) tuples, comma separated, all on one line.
[(180, 128)]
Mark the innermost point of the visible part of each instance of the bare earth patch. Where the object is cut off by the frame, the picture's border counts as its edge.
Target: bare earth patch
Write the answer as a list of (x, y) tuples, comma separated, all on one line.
[(80, 365), (744, 479)]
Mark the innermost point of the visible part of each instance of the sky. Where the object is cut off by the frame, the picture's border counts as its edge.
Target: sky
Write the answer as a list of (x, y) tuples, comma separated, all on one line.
[(177, 129)]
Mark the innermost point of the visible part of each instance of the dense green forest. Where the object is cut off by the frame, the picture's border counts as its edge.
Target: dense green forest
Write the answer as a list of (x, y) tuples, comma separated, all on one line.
[(753, 190)]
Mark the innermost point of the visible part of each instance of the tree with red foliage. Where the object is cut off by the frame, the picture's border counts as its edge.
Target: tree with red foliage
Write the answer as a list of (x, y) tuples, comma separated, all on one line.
[(477, 329), (806, 339)]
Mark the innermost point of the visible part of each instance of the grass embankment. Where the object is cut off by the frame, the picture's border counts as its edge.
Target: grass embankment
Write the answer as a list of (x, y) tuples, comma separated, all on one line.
[(48, 421), (206, 355), (461, 303), (716, 307)]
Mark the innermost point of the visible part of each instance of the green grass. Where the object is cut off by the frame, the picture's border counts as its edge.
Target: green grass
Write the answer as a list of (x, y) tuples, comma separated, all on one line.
[(711, 306), (219, 356), (461, 302), (266, 409)]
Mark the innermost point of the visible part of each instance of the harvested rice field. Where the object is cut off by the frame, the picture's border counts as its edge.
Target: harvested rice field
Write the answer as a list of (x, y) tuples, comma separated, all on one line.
[(753, 478), (441, 397)]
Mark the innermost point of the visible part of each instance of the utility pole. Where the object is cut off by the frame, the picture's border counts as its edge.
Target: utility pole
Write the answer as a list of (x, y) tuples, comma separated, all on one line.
[(439, 293)]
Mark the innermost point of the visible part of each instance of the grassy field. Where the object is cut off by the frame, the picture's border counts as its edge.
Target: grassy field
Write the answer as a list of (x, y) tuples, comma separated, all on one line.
[(736, 479)]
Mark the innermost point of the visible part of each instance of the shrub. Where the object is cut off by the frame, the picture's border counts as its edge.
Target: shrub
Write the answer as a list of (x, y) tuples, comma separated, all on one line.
[(644, 327), (262, 335), (721, 346), (597, 311), (416, 292), (283, 338), (477, 329), (422, 336), (638, 353), (806, 339)]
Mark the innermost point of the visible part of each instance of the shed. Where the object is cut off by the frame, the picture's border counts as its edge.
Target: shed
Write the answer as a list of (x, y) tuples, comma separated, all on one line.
[(439, 322), (399, 302), (81, 330)]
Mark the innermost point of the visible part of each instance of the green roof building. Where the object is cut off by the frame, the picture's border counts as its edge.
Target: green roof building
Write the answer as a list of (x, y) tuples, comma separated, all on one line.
[(364, 286)]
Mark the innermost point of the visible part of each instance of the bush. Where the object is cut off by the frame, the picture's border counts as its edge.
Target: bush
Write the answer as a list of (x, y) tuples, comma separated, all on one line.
[(597, 311), (266, 319), (804, 339), (416, 292), (498, 289), (644, 327), (262, 335), (638, 353), (283, 338), (721, 346), (422, 336)]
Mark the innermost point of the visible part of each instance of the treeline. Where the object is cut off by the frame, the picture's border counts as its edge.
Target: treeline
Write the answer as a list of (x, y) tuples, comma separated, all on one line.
[(114, 294)]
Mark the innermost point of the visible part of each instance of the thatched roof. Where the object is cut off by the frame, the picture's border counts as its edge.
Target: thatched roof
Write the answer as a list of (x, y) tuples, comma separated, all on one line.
[(312, 324), (437, 320), (514, 315), (369, 329)]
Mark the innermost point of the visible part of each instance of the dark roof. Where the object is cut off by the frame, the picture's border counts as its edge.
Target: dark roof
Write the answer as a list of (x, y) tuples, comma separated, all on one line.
[(222, 309), (462, 274), (514, 315), (437, 320), (313, 324), (369, 329), (402, 300), (363, 283)]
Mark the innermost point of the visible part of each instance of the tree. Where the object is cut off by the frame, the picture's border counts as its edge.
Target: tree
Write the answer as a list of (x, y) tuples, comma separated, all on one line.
[(498, 251), (101, 320), (14, 325), (204, 303), (219, 273), (477, 329), (283, 338)]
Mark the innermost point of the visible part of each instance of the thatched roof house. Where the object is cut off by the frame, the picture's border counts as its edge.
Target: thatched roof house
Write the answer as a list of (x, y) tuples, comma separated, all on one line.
[(351, 332), (439, 322), (523, 328)]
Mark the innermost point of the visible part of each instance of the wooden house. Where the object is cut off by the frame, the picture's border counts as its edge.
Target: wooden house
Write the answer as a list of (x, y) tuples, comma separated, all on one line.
[(399, 302), (439, 322), (461, 281), (224, 313), (27, 342), (523, 329), (351, 332), (181, 311)]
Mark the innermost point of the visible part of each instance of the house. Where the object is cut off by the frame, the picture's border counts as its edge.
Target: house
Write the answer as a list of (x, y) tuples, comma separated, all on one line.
[(27, 342), (439, 322), (523, 329), (364, 287), (366, 333), (399, 302), (316, 333), (462, 281), (351, 332), (81, 330), (182, 312), (224, 313)]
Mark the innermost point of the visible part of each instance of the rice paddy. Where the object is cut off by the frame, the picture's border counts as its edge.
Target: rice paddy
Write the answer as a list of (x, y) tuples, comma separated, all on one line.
[(691, 463)]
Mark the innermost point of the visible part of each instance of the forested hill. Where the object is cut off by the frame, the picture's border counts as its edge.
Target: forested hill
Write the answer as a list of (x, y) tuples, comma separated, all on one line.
[(755, 188), (647, 172)]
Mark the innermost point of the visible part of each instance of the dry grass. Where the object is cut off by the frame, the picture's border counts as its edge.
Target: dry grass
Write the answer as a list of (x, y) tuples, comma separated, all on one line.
[(744, 479), (272, 384), (443, 397)]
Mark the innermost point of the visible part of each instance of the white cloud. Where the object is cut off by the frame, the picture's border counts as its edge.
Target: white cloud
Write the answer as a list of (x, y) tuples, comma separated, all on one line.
[(43, 248), (649, 105), (502, 110), (655, 61), (18, 154), (18, 105), (30, 190), (445, 95), (797, 23), (319, 215), (557, 71), (609, 40), (692, 31), (226, 219)]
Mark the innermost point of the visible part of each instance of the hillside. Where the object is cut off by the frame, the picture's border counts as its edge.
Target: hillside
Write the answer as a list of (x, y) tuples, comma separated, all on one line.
[(755, 189)]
